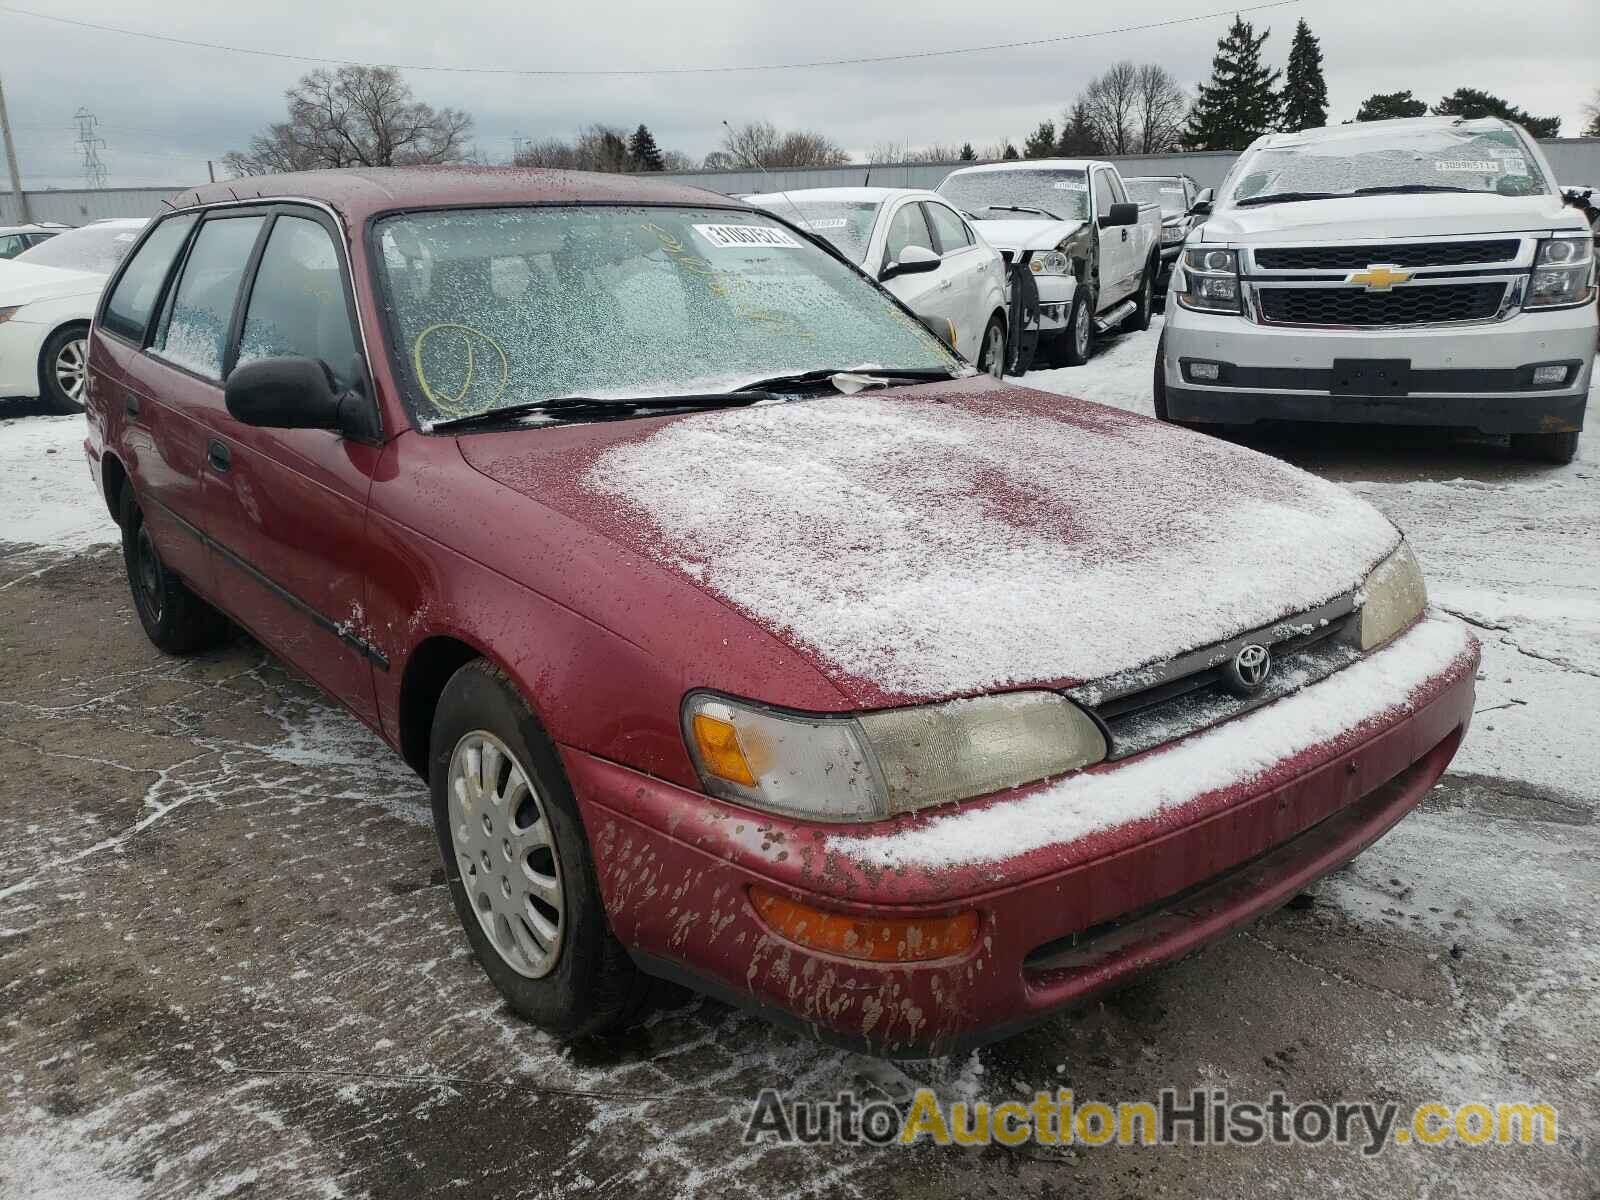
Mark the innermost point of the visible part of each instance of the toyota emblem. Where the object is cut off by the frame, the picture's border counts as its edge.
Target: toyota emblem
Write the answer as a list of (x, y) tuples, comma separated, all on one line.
[(1247, 673)]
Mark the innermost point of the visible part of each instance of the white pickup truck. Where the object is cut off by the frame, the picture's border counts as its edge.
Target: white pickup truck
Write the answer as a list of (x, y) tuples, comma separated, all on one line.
[(1093, 253), (1415, 272)]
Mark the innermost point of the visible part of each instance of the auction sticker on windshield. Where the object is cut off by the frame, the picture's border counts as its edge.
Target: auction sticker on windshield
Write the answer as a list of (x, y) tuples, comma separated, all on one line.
[(1070, 185), (730, 236), (1486, 166), (827, 223)]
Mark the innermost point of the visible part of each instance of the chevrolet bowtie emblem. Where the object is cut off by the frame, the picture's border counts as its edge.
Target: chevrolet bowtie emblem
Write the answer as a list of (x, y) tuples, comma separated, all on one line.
[(1379, 277)]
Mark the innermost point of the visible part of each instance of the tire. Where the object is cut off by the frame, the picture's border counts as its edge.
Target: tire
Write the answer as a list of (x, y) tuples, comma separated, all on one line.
[(1077, 341), (174, 618), (561, 968), (1546, 447), (1158, 385), (62, 369), (992, 351), (1139, 321)]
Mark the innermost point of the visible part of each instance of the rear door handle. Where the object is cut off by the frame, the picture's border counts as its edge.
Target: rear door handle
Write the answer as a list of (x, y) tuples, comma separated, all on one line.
[(217, 455)]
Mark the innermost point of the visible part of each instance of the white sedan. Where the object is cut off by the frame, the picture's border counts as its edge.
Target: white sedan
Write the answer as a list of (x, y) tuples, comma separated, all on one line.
[(47, 298), (920, 249)]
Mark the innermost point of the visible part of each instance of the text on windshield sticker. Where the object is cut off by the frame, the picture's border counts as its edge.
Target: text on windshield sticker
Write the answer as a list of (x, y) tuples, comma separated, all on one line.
[(1484, 166), (728, 237), (1070, 185)]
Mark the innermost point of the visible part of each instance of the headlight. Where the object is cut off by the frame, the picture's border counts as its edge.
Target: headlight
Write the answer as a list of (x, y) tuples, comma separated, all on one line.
[(874, 765), (1562, 273), (1052, 262), (1210, 281), (1392, 598), (7, 313), (1171, 235)]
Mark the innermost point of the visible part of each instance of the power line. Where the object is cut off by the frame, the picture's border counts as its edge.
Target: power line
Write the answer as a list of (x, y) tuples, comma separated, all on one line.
[(615, 71)]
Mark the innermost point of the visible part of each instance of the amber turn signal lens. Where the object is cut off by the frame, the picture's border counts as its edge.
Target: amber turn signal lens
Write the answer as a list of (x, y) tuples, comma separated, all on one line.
[(916, 939), (720, 752)]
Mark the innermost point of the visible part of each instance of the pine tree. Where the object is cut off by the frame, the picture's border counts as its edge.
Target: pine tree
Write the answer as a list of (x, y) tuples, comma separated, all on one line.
[(1078, 136), (1010, 151), (643, 153), (968, 154), (1470, 102), (1305, 92), (1041, 142), (1241, 101), (1389, 106)]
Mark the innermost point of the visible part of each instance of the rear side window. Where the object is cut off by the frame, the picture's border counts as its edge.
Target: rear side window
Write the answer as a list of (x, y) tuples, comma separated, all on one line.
[(128, 311), (297, 306), (948, 227), (196, 333), (908, 228)]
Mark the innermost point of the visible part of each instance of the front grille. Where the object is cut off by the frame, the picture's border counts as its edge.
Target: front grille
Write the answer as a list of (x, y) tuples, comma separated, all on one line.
[(1145, 709), (1430, 305), (1354, 258)]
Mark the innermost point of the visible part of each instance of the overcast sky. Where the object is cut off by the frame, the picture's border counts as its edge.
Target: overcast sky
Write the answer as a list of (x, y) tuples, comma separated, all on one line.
[(165, 109)]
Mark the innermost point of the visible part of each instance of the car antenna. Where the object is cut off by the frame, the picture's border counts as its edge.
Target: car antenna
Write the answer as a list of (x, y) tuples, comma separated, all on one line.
[(765, 174)]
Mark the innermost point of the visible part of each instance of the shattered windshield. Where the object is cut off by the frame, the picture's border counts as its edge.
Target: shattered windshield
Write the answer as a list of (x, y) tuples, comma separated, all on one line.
[(847, 224), (503, 307), (1420, 159), (1168, 193), (1062, 194)]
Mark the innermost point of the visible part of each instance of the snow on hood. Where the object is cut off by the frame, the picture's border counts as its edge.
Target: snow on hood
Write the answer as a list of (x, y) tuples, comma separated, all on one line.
[(950, 539), (1358, 218), (25, 283), (1027, 235)]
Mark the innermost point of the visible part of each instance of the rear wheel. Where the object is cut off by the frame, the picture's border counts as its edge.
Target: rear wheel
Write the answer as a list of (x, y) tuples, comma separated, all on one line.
[(63, 369), (174, 618), (518, 863), (1078, 341), (1546, 447), (992, 354), (1139, 321)]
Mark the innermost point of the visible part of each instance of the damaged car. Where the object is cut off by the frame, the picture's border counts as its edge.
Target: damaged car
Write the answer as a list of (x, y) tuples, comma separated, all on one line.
[(743, 633)]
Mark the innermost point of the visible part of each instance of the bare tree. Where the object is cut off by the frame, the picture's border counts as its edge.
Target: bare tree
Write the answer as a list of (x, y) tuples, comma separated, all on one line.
[(760, 144), (595, 148), (676, 160), (355, 117), (1592, 111), (1160, 109), (1110, 102), (899, 152)]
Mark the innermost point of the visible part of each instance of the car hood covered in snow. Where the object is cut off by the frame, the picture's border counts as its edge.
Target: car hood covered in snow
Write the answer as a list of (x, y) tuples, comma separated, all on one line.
[(1373, 218), (25, 283), (958, 537), (1027, 235)]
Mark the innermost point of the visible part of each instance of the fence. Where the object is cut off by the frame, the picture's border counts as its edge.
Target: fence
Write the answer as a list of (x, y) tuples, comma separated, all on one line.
[(1575, 161)]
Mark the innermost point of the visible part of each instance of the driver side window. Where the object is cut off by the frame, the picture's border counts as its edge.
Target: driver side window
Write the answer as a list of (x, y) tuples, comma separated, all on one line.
[(1104, 198), (908, 227)]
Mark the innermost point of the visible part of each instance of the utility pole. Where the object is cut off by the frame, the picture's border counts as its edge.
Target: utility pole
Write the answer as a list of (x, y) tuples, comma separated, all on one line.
[(211, 170), (11, 161)]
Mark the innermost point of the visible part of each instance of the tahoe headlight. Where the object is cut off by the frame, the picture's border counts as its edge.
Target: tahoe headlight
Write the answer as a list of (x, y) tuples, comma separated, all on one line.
[(1563, 271), (868, 766), (1392, 598), (1210, 280)]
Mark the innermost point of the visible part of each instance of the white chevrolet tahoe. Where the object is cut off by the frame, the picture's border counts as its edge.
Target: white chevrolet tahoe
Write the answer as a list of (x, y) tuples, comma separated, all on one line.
[(1415, 272), (1093, 253)]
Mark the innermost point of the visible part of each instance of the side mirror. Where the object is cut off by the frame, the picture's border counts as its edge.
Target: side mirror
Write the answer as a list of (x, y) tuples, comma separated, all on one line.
[(914, 260), (1120, 214), (284, 393), (1202, 203)]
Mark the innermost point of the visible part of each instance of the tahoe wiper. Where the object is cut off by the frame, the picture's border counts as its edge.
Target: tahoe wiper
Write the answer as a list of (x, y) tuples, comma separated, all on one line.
[(1286, 198), (801, 378), (597, 408), (1043, 212), (1402, 189), (1388, 189)]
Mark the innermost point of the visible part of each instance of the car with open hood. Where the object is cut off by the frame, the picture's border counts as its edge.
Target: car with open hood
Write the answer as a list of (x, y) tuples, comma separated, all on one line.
[(743, 633)]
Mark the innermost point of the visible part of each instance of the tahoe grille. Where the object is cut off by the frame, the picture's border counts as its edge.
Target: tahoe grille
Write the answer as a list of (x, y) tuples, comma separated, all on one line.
[(1354, 258), (1403, 306)]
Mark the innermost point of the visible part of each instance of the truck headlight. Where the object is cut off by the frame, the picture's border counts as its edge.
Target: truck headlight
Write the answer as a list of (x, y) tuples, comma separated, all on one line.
[(1052, 262), (1171, 235), (1563, 271), (868, 766), (1392, 598), (1210, 281)]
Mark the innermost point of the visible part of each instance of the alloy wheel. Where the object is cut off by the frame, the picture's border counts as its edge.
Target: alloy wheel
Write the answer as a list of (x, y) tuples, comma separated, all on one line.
[(71, 368), (995, 351), (506, 853), (1080, 331)]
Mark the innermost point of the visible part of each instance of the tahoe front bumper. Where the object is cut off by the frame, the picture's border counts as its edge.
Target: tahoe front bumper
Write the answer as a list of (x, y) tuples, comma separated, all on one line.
[(1475, 376)]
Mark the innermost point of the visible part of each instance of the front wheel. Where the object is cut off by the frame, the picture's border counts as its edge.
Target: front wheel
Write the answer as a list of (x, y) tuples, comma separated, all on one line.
[(992, 354), (64, 369), (1080, 330), (1546, 447), (518, 863)]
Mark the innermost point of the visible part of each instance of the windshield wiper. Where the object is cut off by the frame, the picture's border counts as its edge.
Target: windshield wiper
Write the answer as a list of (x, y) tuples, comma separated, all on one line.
[(1388, 189), (597, 408), (1402, 189), (1043, 212), (802, 378), (1286, 198)]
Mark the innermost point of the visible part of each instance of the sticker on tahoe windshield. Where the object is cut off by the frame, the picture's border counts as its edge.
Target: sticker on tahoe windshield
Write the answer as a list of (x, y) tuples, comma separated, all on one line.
[(726, 237), (1482, 166), (1070, 185), (828, 223)]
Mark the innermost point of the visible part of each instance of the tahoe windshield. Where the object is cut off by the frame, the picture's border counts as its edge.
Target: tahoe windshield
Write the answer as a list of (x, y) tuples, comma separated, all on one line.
[(495, 309), (1442, 158), (991, 195), (847, 224), (95, 248), (1168, 193)]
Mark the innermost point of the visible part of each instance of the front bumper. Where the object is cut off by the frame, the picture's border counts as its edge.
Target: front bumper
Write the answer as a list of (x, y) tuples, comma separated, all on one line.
[(20, 344), (1467, 376), (1059, 922)]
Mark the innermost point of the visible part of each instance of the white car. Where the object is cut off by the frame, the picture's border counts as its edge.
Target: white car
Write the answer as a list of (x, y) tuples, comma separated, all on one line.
[(47, 297), (920, 249), (14, 239)]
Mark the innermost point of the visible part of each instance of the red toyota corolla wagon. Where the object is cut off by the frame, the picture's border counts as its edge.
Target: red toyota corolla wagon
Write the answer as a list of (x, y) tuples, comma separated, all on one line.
[(744, 635)]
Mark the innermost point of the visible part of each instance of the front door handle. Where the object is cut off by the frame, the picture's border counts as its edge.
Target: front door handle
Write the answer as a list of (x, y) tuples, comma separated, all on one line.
[(218, 456), (1124, 235), (130, 404)]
